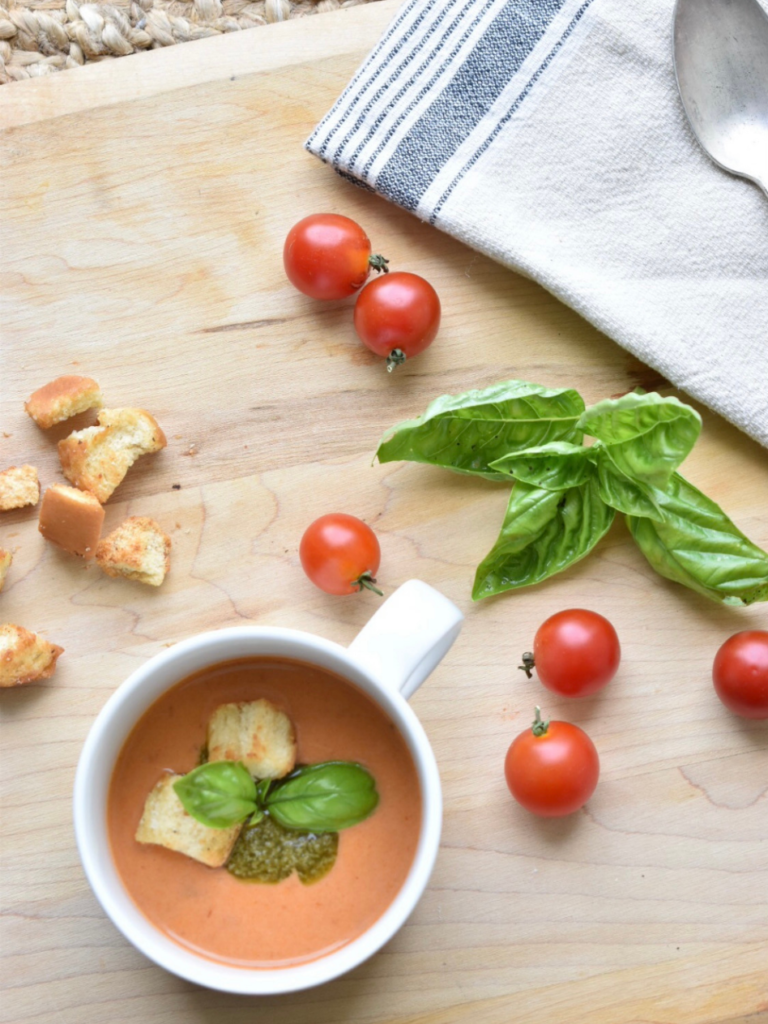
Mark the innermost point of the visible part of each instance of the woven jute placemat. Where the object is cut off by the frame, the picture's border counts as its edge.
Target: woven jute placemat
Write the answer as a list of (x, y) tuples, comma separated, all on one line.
[(42, 36)]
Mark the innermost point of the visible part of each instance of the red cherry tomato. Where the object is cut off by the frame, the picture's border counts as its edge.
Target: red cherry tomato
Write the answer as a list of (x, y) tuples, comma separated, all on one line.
[(552, 769), (340, 554), (327, 256), (575, 652), (397, 316), (740, 674)]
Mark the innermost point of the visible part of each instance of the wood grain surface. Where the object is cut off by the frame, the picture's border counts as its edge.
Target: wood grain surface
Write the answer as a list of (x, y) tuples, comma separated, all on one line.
[(141, 228)]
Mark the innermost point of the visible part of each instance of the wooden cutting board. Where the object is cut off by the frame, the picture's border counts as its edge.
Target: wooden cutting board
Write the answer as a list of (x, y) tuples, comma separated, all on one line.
[(144, 206)]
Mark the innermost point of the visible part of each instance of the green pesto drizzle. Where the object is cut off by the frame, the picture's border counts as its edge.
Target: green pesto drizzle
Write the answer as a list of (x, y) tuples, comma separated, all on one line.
[(268, 853)]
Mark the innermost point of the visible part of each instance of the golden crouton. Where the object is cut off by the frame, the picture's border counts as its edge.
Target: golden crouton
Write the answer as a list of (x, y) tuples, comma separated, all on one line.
[(19, 486), (25, 657), (72, 519), (166, 823), (256, 733), (96, 459), (5, 563), (63, 398), (138, 549)]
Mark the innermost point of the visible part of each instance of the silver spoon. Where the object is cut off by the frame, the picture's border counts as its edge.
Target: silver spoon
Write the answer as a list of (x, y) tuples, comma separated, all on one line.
[(721, 63)]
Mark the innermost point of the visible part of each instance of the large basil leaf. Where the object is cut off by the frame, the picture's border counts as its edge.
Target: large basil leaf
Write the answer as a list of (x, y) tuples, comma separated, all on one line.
[(543, 533), (218, 794), (621, 492), (696, 544), (468, 432), (555, 466), (646, 436), (324, 797)]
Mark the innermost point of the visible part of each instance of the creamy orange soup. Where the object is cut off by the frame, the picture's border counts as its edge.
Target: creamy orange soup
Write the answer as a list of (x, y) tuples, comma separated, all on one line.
[(246, 923)]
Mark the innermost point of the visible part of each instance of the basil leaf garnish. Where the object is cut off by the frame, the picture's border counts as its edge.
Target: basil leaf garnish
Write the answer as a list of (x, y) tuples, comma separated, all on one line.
[(647, 436), (468, 432), (555, 466), (632, 497), (218, 794), (324, 797), (543, 533), (696, 544)]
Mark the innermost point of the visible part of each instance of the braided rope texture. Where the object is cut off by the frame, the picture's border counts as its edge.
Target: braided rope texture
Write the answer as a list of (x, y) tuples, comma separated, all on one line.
[(39, 37)]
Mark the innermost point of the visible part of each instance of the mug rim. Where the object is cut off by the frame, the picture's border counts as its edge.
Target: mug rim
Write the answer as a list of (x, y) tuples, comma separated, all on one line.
[(96, 764)]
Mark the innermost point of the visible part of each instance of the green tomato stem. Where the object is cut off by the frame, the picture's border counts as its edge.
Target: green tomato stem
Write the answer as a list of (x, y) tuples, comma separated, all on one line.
[(528, 664), (379, 263), (367, 581), (539, 726), (395, 358)]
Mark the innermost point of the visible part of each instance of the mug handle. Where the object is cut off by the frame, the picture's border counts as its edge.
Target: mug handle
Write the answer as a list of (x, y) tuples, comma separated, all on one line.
[(408, 636)]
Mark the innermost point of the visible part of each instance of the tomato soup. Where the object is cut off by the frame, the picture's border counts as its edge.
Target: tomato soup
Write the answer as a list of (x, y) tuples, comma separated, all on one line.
[(249, 924)]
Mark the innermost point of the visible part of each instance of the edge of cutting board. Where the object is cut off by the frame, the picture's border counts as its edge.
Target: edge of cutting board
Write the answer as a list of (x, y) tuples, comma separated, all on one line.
[(145, 74)]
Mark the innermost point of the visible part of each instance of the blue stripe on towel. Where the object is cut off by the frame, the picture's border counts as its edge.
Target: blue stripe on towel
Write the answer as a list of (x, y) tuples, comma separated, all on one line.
[(436, 136), (513, 108)]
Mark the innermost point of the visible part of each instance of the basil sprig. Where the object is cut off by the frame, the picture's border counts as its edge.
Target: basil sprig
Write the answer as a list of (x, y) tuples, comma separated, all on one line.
[(326, 797), (566, 494)]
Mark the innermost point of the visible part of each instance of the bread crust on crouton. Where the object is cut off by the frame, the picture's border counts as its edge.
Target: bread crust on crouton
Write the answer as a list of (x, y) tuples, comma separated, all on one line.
[(256, 733), (166, 823), (138, 549), (63, 398), (97, 459), (19, 487), (25, 657), (5, 563), (72, 519)]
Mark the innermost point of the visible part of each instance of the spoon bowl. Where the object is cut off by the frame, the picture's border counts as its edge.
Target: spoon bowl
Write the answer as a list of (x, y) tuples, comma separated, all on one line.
[(721, 64)]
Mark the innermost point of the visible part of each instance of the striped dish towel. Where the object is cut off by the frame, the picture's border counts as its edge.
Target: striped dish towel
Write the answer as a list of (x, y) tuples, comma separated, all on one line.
[(549, 135)]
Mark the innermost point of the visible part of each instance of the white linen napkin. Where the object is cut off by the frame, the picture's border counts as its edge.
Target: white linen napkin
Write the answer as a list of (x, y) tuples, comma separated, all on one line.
[(549, 135)]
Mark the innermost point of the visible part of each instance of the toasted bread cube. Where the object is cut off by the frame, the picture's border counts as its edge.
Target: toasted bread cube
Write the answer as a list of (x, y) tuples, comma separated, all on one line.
[(19, 486), (72, 519), (25, 657), (96, 459), (63, 398), (5, 563), (138, 549), (166, 823), (256, 733)]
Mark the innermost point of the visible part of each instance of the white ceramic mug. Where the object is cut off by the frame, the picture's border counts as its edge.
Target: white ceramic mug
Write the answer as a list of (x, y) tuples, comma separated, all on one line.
[(392, 655)]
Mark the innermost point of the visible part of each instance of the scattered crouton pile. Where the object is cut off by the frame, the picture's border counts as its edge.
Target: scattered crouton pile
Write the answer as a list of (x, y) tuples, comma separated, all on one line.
[(95, 460), (256, 733)]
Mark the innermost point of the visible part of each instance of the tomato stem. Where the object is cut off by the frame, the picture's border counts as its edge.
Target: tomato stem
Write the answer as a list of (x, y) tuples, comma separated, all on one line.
[(379, 263), (539, 726), (367, 581), (395, 358), (528, 664)]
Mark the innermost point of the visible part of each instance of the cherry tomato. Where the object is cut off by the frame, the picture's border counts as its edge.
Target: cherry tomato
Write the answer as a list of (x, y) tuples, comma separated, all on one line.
[(552, 768), (740, 674), (340, 554), (397, 316), (327, 256), (575, 653)]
